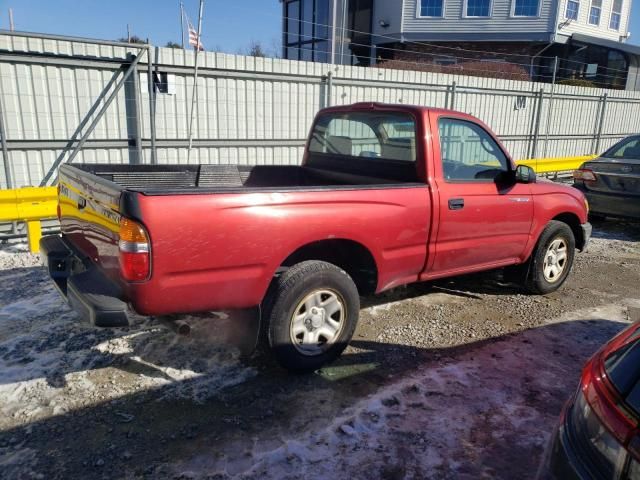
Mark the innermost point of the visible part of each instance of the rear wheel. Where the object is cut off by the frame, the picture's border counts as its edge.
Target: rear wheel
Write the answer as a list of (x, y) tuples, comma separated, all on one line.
[(310, 314), (552, 259)]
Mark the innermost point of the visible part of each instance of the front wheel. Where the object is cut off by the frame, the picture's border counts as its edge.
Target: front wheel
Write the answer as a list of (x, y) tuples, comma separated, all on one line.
[(552, 259), (310, 314)]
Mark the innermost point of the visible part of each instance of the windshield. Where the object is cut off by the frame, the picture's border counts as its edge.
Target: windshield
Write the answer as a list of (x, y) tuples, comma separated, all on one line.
[(629, 148)]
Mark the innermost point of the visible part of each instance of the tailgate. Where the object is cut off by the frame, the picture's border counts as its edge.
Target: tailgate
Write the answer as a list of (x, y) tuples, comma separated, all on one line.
[(89, 216)]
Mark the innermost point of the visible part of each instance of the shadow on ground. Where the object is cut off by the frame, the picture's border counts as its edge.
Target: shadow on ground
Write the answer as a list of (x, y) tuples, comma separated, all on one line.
[(36, 323), (235, 430), (616, 229)]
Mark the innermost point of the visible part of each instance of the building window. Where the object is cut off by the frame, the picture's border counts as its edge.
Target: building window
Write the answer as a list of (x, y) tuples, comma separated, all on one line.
[(445, 61), (322, 19), (525, 8), (594, 13), (616, 15), (306, 31), (293, 21), (478, 8), (431, 8), (573, 7)]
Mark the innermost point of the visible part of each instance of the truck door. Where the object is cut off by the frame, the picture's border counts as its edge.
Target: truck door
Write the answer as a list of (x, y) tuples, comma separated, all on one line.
[(485, 217)]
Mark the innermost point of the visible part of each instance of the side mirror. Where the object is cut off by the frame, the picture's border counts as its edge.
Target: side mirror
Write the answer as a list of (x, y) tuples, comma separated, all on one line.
[(525, 174)]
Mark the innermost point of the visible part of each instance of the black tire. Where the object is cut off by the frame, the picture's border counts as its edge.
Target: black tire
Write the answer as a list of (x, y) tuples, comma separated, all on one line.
[(536, 282), (285, 296)]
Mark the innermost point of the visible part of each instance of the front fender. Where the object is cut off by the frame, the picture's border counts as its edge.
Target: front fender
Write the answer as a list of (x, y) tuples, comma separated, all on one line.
[(562, 206)]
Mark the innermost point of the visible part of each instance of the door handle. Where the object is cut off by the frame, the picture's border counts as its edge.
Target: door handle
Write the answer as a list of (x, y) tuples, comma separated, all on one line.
[(456, 204)]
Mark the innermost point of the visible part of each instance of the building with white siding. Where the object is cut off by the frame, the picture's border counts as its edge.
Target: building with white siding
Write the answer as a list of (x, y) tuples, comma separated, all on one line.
[(516, 38)]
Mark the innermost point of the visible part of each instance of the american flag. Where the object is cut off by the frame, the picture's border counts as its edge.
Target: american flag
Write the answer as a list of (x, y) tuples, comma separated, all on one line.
[(194, 41)]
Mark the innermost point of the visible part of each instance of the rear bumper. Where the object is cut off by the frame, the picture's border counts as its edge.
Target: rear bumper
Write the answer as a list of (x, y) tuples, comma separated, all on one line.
[(616, 205), (88, 291)]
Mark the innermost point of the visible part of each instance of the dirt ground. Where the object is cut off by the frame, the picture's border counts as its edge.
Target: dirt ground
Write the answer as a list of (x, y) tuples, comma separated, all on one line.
[(461, 379)]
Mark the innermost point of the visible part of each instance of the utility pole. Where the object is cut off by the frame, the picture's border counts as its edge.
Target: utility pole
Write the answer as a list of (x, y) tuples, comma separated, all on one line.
[(333, 31), (344, 31), (128, 34), (11, 26)]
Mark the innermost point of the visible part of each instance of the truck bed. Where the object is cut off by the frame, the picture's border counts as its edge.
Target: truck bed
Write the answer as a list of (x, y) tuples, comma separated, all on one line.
[(172, 179)]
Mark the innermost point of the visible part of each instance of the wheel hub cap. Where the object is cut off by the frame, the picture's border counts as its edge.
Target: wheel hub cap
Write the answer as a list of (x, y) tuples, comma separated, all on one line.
[(317, 322), (316, 318), (555, 260)]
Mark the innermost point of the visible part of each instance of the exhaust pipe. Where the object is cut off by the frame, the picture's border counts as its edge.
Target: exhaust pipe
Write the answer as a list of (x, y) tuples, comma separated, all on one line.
[(178, 326)]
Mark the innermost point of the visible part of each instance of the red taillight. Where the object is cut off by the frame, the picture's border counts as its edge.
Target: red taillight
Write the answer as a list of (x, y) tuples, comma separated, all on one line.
[(585, 175), (135, 261), (134, 267), (603, 399)]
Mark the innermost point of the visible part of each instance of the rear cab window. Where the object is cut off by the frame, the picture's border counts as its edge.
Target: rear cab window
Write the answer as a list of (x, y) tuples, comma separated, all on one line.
[(368, 143), (388, 136)]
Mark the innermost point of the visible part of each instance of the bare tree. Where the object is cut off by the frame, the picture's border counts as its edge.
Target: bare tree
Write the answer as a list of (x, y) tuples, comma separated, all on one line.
[(256, 49), (133, 39), (276, 47)]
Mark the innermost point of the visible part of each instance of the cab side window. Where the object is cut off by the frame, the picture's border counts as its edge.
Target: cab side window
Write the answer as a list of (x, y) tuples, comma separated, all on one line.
[(469, 153)]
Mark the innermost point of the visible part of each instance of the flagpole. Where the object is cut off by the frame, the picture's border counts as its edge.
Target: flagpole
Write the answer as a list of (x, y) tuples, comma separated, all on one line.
[(194, 94), (182, 23)]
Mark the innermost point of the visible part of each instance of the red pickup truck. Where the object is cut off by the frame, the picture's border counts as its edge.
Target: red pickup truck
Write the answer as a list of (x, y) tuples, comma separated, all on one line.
[(386, 195)]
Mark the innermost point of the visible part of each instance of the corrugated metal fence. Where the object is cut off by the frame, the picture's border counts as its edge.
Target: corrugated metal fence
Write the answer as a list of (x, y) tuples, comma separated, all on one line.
[(253, 110)]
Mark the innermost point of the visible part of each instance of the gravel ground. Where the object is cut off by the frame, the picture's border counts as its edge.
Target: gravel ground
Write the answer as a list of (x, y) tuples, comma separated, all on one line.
[(461, 378)]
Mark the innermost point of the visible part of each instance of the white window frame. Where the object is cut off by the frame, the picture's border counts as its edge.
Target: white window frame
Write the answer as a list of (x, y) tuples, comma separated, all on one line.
[(513, 11), (419, 10), (566, 8), (613, 4), (591, 6), (465, 7)]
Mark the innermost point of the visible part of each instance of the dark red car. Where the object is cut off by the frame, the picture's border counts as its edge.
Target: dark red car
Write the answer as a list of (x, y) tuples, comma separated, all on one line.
[(598, 436)]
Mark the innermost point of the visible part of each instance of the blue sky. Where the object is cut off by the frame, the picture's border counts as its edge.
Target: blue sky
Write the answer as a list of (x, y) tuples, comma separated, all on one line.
[(228, 25)]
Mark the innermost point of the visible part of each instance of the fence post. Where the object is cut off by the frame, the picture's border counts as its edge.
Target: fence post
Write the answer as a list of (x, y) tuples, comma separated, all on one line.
[(550, 108), (536, 131), (152, 103), (453, 96), (329, 88), (5, 149), (134, 117), (601, 124)]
